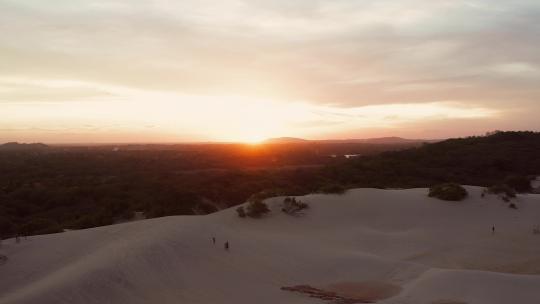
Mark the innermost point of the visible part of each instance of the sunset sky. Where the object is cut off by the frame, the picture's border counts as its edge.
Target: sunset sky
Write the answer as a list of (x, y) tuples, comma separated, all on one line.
[(232, 70)]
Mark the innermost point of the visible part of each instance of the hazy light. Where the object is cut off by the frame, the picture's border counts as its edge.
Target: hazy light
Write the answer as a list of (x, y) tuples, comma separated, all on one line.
[(221, 118), (247, 70)]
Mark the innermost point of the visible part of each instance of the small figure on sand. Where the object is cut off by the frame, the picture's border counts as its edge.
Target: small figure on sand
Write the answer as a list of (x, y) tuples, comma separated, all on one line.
[(227, 245), (493, 229), (214, 240)]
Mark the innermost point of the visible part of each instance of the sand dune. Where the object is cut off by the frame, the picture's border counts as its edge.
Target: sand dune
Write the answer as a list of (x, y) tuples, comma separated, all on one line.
[(398, 246)]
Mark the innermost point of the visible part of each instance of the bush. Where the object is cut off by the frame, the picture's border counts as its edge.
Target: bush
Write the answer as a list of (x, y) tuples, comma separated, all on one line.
[(291, 206), (502, 189), (241, 212), (448, 192), (257, 209), (512, 206), (519, 183)]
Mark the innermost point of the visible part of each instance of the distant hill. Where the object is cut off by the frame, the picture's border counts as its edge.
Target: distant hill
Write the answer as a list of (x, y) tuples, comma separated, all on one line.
[(380, 140), (15, 146), (377, 140), (481, 161)]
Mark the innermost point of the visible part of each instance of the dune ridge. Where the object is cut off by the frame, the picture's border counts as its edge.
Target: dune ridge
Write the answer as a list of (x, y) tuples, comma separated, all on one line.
[(432, 251)]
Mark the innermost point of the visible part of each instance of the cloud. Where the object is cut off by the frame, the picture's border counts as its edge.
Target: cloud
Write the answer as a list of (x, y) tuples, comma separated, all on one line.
[(17, 90), (342, 54)]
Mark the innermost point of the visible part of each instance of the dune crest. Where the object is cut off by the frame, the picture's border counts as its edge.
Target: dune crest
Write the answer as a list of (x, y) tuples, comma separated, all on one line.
[(388, 246)]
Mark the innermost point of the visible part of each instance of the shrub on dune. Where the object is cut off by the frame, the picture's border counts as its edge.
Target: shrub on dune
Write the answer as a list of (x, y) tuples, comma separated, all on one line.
[(241, 212), (502, 189), (257, 209), (448, 192), (292, 206)]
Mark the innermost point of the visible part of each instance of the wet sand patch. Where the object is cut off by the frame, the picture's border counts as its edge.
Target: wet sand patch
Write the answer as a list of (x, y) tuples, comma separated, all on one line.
[(349, 292), (368, 291), (448, 302)]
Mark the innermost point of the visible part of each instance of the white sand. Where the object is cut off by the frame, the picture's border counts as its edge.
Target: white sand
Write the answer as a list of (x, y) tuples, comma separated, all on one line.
[(434, 251)]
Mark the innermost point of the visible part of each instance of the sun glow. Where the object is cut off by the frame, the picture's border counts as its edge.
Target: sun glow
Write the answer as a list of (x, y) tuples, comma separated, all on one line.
[(254, 140), (148, 116)]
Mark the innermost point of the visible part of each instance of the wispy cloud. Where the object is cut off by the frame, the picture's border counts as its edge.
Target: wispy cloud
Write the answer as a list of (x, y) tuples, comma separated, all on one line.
[(343, 55)]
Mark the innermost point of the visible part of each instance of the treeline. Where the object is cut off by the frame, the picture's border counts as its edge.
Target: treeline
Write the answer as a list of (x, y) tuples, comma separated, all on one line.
[(480, 161), (55, 188), (43, 192)]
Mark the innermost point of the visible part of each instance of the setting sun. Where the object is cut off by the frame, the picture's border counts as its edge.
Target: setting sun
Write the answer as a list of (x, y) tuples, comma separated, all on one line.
[(255, 140)]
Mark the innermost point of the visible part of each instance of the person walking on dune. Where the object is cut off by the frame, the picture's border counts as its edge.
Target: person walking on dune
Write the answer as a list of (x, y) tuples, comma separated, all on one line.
[(493, 229), (227, 246), (214, 240)]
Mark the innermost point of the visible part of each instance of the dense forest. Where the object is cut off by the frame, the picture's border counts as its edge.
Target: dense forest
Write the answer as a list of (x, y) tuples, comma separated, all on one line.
[(479, 161), (49, 189)]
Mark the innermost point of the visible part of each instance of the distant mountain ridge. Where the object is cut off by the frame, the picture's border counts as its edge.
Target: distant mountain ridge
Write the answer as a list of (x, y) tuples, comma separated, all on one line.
[(380, 140), (376, 140)]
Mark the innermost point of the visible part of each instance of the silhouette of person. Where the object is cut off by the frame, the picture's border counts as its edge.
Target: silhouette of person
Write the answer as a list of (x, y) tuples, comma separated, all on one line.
[(227, 245), (214, 240), (493, 229)]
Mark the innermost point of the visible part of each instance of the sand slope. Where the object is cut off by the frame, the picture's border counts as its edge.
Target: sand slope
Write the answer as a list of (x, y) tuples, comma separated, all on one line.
[(425, 250)]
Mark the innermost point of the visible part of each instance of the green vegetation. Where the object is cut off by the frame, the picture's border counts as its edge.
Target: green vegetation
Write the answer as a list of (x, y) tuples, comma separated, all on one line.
[(7, 227), (40, 226), (81, 187), (241, 212), (333, 189), (448, 192), (292, 206), (502, 189), (257, 209), (476, 161)]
